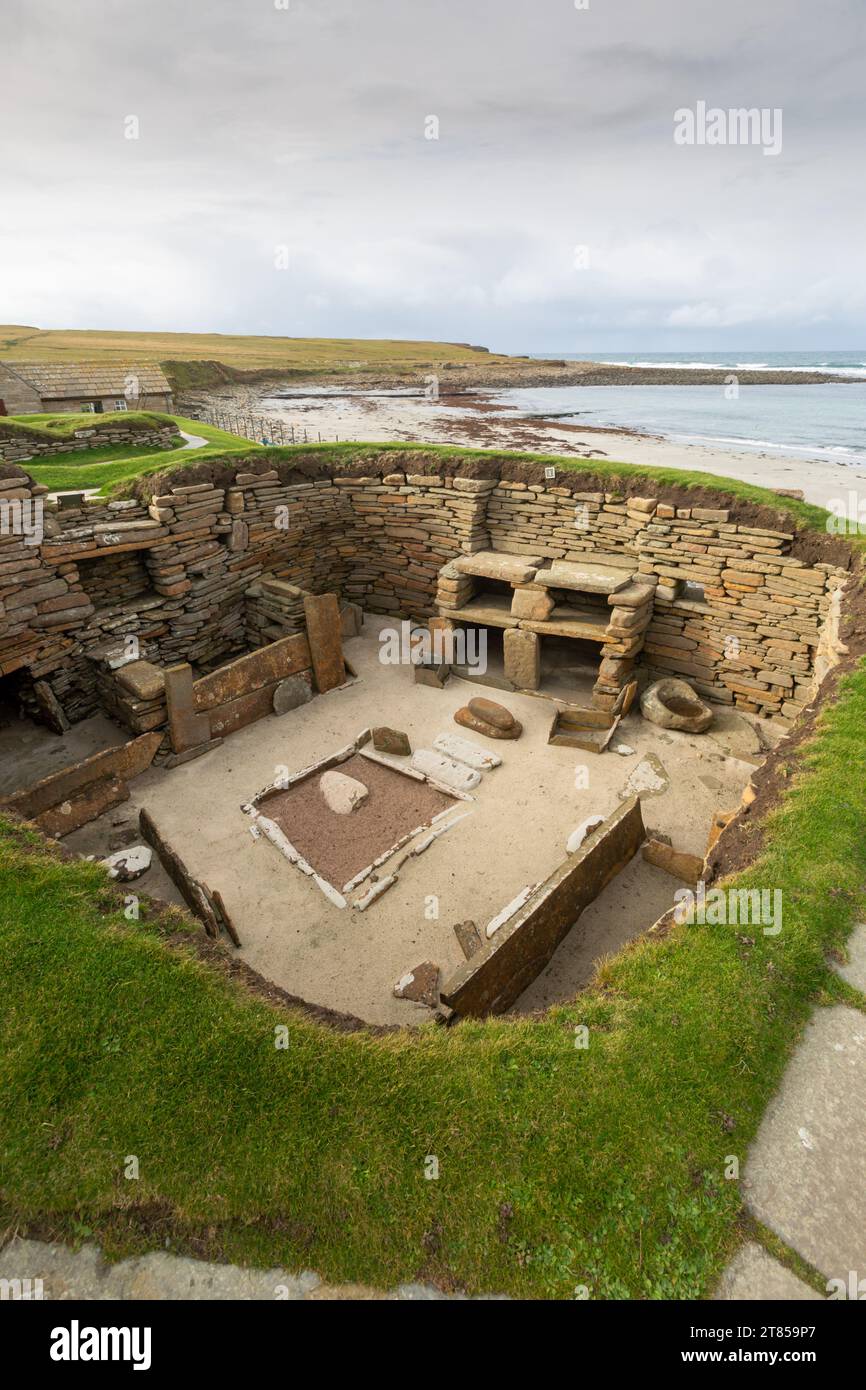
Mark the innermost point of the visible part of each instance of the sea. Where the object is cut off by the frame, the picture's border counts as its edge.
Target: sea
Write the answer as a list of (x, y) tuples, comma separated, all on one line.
[(826, 422)]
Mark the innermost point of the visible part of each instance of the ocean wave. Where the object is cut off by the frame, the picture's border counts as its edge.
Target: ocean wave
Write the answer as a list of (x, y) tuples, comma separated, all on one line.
[(742, 442), (856, 370)]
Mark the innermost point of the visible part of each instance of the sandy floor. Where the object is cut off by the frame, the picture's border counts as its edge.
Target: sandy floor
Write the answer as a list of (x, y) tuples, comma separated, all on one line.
[(522, 816), (479, 423), (29, 752)]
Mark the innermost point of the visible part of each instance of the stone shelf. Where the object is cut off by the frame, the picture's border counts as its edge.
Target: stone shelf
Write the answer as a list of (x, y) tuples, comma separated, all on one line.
[(588, 624), (493, 610), (587, 576)]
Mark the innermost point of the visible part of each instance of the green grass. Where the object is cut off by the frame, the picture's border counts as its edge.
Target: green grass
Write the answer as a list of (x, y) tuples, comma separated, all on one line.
[(105, 467), (558, 1166)]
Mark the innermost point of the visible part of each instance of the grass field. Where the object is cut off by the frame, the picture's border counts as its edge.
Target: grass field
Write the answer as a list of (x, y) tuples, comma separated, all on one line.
[(560, 1168), (246, 353), (104, 467)]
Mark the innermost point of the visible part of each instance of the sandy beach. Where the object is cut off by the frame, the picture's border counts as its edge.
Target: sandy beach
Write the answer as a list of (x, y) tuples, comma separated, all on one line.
[(477, 420)]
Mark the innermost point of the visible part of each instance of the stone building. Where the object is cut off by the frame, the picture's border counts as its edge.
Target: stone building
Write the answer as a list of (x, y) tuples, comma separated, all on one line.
[(36, 388)]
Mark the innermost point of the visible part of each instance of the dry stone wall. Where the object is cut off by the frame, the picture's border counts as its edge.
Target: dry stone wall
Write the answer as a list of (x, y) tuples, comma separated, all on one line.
[(750, 637), (747, 634), (17, 446)]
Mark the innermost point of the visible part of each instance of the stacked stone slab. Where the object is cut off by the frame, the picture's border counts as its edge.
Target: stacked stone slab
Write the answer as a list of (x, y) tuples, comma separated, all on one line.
[(631, 612), (543, 599), (17, 446), (402, 529), (273, 609), (746, 635), (133, 694)]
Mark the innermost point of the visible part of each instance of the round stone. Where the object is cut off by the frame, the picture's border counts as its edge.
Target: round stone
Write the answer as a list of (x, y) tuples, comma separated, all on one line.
[(290, 693), (489, 712), (468, 720), (341, 793)]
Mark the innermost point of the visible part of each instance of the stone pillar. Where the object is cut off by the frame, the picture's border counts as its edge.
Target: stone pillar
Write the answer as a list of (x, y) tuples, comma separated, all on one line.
[(522, 658)]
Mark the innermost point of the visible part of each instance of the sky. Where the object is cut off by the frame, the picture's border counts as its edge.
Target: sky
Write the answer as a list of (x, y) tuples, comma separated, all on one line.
[(501, 172)]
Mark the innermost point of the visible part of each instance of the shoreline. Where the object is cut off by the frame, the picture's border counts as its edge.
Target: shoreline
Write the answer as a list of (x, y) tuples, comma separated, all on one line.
[(461, 378), (471, 419)]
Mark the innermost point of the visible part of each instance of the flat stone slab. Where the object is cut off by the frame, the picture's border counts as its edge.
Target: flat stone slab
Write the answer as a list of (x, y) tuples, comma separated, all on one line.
[(73, 1274), (805, 1176), (127, 864), (420, 985), (444, 770), (589, 577), (463, 750), (634, 595), (648, 778), (855, 971), (142, 679), (754, 1276), (83, 1274), (495, 564)]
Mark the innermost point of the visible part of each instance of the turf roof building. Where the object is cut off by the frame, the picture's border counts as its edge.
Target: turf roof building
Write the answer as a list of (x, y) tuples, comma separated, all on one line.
[(46, 388)]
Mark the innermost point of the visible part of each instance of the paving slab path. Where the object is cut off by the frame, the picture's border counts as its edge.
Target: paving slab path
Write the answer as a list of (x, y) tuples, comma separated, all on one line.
[(805, 1177), (83, 1274)]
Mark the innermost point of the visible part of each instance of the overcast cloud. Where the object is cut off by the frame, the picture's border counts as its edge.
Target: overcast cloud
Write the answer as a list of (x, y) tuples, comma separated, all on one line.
[(304, 128)]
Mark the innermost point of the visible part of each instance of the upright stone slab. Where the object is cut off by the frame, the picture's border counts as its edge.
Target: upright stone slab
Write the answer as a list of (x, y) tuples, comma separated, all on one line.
[(522, 651), (325, 636), (186, 728), (491, 980)]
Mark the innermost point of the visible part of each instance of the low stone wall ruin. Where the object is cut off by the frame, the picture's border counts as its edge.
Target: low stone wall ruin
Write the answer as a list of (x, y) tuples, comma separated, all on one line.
[(17, 446)]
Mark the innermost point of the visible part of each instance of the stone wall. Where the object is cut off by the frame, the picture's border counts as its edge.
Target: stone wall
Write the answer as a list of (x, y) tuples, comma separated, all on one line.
[(381, 542), (749, 632), (17, 446)]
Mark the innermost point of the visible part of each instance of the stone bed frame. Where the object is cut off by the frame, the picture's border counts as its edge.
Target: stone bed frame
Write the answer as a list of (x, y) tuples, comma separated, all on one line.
[(264, 825)]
